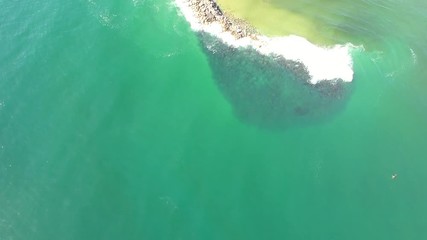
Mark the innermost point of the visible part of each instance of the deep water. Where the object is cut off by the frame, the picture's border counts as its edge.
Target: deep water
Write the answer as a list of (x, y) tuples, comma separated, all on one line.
[(119, 122)]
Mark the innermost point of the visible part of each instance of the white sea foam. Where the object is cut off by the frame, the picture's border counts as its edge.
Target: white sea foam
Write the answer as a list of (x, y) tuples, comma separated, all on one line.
[(414, 56), (323, 63)]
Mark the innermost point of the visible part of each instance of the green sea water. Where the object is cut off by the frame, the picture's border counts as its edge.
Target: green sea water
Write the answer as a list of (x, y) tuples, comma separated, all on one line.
[(118, 122)]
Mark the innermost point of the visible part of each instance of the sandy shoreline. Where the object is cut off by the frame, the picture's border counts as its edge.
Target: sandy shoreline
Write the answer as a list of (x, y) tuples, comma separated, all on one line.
[(332, 63)]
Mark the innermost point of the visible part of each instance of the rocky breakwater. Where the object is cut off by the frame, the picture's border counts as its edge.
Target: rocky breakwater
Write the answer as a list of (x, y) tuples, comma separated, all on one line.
[(208, 12)]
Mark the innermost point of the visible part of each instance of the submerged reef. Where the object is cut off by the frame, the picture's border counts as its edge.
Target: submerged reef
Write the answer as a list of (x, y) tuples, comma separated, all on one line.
[(270, 91)]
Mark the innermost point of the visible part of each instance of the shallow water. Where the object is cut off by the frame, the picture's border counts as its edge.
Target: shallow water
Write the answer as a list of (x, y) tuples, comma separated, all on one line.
[(117, 123)]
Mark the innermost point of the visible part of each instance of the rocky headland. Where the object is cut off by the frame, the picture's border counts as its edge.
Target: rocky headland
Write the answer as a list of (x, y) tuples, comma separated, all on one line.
[(208, 11)]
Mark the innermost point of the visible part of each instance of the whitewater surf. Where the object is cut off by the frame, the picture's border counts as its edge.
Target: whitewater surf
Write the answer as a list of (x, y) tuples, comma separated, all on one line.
[(322, 63)]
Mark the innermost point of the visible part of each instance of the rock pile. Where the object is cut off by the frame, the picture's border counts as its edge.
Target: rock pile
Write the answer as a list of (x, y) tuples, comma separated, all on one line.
[(208, 11)]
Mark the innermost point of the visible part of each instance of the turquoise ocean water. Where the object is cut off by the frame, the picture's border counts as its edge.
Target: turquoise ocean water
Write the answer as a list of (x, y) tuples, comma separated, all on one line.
[(119, 122)]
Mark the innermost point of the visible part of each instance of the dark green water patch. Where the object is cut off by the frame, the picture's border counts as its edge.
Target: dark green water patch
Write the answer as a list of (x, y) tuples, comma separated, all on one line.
[(269, 91)]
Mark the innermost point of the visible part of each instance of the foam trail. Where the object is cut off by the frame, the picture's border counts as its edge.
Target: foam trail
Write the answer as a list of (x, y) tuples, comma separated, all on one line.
[(414, 56), (322, 63)]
